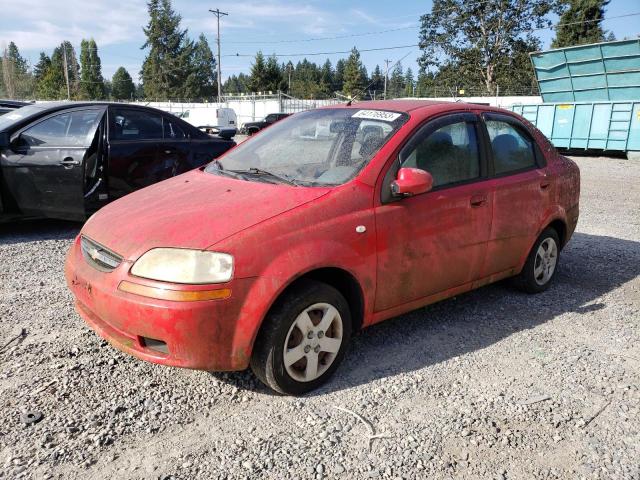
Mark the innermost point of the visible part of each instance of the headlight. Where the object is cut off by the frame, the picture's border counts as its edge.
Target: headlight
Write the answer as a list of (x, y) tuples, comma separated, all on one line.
[(179, 265)]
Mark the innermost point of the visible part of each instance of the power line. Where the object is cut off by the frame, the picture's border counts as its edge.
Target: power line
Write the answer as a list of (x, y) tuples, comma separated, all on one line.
[(309, 54), (351, 35)]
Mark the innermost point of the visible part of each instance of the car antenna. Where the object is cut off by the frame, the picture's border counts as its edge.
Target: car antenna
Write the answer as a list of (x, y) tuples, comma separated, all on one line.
[(373, 81)]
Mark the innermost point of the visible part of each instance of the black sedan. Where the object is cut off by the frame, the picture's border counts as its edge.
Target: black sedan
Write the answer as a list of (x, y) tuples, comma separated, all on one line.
[(65, 159)]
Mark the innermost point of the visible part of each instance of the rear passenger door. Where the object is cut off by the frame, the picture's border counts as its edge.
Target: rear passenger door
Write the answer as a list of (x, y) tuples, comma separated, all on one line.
[(173, 150), (134, 135), (521, 192)]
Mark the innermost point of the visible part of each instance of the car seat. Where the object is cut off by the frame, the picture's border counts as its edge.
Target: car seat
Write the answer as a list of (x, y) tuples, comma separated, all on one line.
[(505, 152), (372, 139), (435, 156)]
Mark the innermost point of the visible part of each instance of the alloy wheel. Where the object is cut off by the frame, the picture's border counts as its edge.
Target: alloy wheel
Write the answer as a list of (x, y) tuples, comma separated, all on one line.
[(313, 342), (545, 262)]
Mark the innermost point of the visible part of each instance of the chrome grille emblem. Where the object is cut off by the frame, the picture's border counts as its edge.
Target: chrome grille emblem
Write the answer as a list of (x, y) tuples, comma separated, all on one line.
[(99, 257)]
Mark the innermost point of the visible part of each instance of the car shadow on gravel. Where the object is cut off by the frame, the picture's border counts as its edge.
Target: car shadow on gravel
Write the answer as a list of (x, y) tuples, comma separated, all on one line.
[(36, 230), (590, 266)]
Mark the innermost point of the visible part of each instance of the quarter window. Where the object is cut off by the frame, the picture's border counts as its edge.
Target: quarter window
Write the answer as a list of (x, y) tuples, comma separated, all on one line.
[(512, 150), (72, 129), (129, 124), (450, 154)]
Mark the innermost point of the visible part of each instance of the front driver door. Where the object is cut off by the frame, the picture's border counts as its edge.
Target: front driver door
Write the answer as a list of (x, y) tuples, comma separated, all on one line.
[(44, 168), (434, 242)]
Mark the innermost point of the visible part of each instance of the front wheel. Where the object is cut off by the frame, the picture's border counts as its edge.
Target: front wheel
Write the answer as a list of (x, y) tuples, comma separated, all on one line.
[(540, 267), (303, 339)]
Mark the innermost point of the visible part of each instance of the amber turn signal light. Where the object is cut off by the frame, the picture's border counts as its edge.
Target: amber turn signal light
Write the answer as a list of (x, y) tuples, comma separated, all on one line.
[(174, 295)]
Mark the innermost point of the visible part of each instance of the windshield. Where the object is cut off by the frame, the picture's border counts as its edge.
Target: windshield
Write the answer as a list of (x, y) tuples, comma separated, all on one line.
[(18, 114), (318, 147)]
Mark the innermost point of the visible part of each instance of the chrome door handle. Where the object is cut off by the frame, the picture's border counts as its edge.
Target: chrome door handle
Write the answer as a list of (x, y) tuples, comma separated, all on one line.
[(69, 162)]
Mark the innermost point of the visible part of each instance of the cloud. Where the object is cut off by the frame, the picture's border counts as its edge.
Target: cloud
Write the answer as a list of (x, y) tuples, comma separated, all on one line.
[(40, 25)]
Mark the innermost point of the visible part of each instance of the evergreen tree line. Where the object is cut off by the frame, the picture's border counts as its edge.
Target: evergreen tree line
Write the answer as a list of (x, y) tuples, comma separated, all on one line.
[(62, 75), (458, 58)]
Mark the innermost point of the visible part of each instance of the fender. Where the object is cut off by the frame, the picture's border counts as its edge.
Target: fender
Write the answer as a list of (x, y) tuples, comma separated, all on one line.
[(555, 212), (281, 272)]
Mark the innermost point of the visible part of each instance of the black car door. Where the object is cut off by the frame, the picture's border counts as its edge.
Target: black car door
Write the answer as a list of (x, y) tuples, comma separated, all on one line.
[(134, 136), (44, 166), (174, 149)]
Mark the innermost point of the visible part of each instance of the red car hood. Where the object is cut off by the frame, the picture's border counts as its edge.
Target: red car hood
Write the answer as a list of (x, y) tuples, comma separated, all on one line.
[(194, 210)]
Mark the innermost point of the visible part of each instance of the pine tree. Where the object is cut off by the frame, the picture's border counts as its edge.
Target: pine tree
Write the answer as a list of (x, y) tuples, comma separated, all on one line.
[(16, 78), (51, 84), (258, 74), (377, 81), (353, 74), (326, 79), (166, 67), (122, 87), (273, 74), (581, 23), (395, 87), (338, 77), (91, 81), (409, 83), (41, 67), (201, 82)]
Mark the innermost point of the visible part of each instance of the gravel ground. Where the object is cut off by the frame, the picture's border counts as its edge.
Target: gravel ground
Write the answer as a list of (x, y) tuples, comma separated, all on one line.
[(491, 384)]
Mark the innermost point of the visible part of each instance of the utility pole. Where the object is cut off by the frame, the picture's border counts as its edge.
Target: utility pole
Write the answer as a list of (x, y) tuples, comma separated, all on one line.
[(66, 69), (218, 14), (386, 75)]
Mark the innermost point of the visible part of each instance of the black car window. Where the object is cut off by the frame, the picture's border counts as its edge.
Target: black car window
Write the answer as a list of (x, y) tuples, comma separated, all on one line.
[(172, 131), (512, 150), (272, 117), (129, 124), (450, 154), (71, 129)]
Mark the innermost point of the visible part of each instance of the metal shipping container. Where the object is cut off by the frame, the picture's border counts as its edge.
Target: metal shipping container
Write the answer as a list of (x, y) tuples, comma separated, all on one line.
[(594, 125), (608, 71)]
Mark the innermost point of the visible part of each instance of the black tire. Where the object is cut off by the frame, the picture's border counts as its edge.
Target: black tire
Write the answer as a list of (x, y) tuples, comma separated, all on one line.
[(526, 280), (267, 360)]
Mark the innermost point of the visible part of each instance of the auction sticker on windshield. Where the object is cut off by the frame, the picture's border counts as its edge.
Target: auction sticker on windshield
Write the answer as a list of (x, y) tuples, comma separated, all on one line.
[(376, 115)]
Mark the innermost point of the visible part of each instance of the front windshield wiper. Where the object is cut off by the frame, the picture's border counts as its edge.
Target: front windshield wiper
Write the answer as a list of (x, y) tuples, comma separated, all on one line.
[(259, 171)]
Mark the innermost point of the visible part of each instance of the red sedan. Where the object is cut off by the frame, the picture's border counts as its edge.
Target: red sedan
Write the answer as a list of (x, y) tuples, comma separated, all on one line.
[(327, 222)]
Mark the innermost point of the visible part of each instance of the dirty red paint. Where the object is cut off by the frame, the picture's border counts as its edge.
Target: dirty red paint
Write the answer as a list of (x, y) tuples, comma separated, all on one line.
[(409, 253)]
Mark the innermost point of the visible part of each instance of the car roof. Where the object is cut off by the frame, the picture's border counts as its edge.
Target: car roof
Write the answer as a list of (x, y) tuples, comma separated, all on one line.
[(38, 110), (413, 105)]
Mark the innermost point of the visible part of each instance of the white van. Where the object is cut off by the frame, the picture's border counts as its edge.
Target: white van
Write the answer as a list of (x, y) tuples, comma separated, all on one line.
[(207, 118)]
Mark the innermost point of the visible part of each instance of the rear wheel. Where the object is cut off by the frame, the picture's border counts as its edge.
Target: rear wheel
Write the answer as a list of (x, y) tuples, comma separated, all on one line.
[(540, 267), (303, 340)]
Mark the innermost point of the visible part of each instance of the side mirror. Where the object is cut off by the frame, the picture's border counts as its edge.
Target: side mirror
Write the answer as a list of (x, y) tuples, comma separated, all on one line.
[(411, 181)]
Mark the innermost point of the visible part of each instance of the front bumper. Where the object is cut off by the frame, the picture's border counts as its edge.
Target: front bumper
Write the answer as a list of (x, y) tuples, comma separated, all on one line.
[(200, 335)]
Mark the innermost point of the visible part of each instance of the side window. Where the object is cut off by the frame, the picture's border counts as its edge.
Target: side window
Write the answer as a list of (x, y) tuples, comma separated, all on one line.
[(72, 129), (270, 118), (128, 124), (512, 149), (450, 154), (172, 131)]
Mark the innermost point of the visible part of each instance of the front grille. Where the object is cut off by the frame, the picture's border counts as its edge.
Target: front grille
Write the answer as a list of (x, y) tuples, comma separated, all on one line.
[(99, 257)]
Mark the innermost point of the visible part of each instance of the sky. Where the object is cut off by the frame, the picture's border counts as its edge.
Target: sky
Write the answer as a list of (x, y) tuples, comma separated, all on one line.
[(272, 26)]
